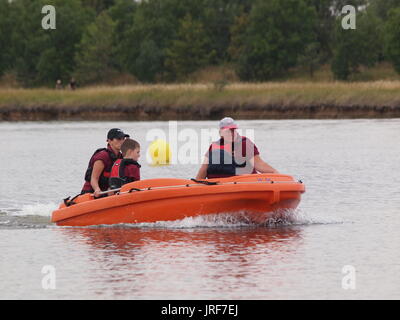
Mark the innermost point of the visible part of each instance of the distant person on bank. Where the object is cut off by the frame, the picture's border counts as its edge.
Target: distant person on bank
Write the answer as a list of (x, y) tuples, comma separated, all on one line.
[(100, 164), (232, 155), (59, 85), (72, 84)]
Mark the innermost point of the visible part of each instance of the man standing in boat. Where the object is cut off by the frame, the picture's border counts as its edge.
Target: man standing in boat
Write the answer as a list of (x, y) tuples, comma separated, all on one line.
[(100, 164), (232, 155)]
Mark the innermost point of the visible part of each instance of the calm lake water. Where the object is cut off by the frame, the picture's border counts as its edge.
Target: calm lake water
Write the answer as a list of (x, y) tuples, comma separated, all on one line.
[(343, 244)]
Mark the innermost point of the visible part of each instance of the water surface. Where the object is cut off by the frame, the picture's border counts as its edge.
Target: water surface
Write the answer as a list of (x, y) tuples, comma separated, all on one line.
[(348, 216)]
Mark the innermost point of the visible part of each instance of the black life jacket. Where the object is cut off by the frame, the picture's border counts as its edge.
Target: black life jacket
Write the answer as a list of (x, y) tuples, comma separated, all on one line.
[(105, 175), (117, 175), (222, 163)]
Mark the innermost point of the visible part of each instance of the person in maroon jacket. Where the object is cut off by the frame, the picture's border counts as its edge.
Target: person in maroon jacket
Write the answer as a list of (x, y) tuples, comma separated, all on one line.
[(232, 155), (126, 170), (101, 162)]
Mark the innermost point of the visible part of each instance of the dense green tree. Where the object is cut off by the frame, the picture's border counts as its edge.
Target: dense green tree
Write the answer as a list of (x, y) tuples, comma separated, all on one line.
[(392, 38), (6, 27), (323, 28), (189, 51), (217, 17), (382, 7), (324, 25), (28, 39), (263, 38), (277, 33), (100, 5), (157, 22), (337, 5), (151, 24), (311, 58), (355, 48), (238, 36), (122, 14), (327, 11), (60, 50), (148, 64), (94, 61), (46, 55)]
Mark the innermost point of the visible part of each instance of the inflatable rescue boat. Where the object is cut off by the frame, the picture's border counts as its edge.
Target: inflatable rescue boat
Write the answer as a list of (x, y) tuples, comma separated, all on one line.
[(255, 197)]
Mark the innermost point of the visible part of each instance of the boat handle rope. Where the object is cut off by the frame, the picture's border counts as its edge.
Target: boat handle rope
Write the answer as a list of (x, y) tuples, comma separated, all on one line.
[(202, 185), (207, 183), (69, 202)]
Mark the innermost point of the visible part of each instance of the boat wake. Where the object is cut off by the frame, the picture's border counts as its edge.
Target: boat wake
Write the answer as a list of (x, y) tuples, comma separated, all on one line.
[(291, 217), (38, 209), (38, 216), (35, 215)]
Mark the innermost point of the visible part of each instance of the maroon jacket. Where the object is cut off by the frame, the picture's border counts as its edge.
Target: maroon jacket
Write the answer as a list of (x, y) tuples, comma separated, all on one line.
[(108, 157)]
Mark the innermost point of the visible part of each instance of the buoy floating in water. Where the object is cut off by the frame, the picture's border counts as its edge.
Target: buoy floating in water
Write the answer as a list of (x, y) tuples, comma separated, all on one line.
[(160, 153)]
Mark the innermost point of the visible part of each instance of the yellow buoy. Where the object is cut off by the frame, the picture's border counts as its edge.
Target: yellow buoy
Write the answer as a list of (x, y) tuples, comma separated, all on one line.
[(160, 153)]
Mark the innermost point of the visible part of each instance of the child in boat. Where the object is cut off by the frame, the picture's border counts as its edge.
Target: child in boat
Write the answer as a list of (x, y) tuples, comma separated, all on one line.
[(126, 170)]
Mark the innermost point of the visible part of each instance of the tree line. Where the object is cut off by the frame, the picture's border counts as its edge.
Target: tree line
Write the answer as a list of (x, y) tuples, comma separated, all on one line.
[(167, 40)]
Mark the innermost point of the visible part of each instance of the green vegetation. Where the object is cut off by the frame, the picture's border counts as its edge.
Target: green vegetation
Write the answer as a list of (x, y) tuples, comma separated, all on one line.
[(277, 32), (355, 49), (188, 52), (94, 61), (276, 94), (393, 37), (169, 41)]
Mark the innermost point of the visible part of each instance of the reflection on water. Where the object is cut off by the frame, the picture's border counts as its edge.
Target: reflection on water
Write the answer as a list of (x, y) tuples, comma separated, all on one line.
[(149, 263), (125, 239)]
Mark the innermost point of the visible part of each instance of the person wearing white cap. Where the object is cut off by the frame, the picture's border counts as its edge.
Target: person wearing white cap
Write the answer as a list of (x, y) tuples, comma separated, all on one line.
[(232, 155)]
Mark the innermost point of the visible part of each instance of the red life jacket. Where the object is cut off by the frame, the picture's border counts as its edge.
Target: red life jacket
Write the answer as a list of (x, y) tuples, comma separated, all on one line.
[(117, 176), (222, 164)]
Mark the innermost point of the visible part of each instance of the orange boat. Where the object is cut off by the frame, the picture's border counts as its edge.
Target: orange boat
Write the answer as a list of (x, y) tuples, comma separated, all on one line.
[(254, 197)]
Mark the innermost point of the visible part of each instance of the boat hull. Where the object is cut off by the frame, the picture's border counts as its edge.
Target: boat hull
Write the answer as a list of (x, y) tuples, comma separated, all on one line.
[(255, 198)]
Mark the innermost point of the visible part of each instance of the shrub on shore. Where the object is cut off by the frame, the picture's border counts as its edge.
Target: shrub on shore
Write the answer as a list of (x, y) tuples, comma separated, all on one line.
[(234, 95)]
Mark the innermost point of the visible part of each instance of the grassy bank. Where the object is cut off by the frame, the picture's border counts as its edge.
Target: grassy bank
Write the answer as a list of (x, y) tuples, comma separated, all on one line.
[(205, 101)]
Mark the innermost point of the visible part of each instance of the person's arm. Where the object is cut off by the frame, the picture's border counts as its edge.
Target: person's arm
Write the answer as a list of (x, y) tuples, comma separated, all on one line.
[(98, 168), (261, 166), (202, 174)]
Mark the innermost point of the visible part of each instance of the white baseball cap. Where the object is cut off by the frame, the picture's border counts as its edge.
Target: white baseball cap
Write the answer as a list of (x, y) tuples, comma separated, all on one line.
[(227, 123)]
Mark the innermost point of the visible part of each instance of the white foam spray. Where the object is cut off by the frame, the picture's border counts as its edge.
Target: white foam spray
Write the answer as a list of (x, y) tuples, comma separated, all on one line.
[(225, 220), (37, 209)]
